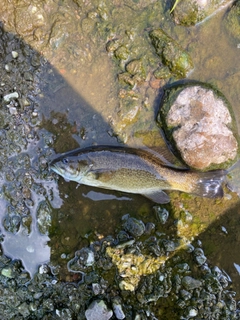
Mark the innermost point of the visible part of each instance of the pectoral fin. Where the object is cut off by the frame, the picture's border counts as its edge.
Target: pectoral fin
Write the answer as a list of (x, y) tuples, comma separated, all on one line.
[(158, 197)]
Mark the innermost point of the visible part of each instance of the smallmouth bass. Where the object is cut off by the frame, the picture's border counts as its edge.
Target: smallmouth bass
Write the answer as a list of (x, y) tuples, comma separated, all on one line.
[(135, 171)]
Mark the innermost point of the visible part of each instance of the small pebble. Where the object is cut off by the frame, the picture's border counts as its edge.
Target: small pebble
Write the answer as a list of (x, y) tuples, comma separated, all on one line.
[(14, 54), (12, 110), (118, 311), (7, 68), (98, 311), (161, 213), (8, 97), (193, 312), (224, 229)]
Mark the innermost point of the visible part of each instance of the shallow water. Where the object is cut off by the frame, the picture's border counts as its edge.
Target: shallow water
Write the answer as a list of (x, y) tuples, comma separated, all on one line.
[(79, 104)]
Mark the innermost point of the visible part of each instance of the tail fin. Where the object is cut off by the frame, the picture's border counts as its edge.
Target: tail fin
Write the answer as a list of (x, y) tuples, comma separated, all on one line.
[(210, 184), (233, 178)]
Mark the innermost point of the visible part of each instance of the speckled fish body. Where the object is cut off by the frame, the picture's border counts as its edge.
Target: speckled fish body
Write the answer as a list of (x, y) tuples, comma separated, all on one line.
[(134, 171)]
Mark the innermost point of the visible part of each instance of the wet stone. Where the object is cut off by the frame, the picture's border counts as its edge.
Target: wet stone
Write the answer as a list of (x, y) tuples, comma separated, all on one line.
[(48, 305), (192, 312), (24, 310), (170, 245), (161, 213), (64, 314), (96, 288), (43, 269), (44, 218), (98, 311), (117, 308), (150, 227), (213, 284), (84, 260), (171, 53), (134, 226), (186, 295), (7, 272), (190, 283), (201, 259), (12, 223)]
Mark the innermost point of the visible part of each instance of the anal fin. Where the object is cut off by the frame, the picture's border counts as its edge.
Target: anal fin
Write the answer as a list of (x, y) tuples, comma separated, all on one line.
[(157, 196)]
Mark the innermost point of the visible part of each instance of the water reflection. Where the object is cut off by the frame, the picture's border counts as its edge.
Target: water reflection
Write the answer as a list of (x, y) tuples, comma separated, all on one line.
[(221, 247), (33, 249), (99, 196)]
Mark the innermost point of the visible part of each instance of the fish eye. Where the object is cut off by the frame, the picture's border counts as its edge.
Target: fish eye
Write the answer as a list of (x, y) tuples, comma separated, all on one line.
[(65, 161)]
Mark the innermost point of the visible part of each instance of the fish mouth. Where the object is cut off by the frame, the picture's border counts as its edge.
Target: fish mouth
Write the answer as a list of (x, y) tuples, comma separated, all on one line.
[(67, 176), (57, 169)]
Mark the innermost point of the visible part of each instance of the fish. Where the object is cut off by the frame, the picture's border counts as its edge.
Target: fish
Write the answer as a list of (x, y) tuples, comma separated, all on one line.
[(135, 171)]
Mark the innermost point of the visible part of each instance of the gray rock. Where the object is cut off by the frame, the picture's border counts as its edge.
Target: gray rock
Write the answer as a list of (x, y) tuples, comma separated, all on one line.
[(200, 125), (161, 213), (84, 260), (117, 308), (44, 218), (190, 283), (23, 310), (98, 311), (134, 226)]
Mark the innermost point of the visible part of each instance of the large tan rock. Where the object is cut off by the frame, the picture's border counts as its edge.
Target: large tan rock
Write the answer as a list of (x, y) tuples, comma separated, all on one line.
[(200, 125)]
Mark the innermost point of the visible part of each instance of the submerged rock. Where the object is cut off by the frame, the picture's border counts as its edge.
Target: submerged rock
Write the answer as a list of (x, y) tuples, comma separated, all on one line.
[(199, 123), (190, 12), (190, 283), (172, 54), (44, 218), (161, 214), (232, 22), (84, 260), (134, 226)]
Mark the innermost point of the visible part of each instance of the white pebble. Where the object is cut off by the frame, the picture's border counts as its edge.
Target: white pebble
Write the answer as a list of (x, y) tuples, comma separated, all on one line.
[(12, 110), (224, 229), (192, 313), (8, 97), (161, 278), (7, 68), (118, 311), (14, 54)]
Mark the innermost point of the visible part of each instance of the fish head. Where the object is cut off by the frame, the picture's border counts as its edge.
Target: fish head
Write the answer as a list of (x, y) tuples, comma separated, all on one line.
[(70, 168)]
